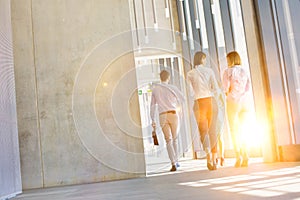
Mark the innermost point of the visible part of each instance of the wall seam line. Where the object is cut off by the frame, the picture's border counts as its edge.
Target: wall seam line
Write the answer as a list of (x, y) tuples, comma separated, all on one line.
[(37, 96)]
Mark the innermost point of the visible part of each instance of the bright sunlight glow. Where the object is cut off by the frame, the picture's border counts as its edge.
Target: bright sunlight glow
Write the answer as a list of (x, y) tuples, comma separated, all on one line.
[(252, 132)]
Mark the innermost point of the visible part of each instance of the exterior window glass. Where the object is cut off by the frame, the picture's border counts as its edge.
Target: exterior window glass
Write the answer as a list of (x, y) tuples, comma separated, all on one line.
[(289, 29), (216, 11), (202, 25), (291, 16)]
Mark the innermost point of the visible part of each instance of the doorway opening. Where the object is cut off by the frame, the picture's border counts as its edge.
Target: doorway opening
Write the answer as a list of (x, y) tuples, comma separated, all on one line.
[(148, 69)]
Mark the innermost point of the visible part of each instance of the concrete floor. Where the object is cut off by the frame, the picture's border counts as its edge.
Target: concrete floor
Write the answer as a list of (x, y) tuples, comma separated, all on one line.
[(191, 181)]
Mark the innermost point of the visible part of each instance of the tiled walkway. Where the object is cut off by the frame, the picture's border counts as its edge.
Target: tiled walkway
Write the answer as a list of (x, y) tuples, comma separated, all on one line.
[(191, 181)]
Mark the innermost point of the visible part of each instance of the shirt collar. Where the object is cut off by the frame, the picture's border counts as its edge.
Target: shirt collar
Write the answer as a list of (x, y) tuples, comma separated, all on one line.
[(197, 66)]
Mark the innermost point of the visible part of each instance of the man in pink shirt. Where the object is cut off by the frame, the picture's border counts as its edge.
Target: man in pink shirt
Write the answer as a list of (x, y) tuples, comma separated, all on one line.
[(166, 99)]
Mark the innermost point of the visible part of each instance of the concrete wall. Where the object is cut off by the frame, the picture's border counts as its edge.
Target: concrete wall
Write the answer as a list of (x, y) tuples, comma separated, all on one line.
[(10, 175), (76, 99)]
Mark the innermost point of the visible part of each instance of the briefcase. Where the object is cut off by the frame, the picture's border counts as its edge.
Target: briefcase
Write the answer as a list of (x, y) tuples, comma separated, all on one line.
[(154, 136)]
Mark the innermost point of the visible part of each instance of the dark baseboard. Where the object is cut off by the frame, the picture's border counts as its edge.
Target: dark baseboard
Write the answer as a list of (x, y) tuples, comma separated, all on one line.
[(289, 153)]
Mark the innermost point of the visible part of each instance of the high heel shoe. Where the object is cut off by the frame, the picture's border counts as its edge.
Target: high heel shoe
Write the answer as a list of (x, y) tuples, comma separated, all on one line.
[(210, 166), (214, 166), (245, 163), (222, 161), (238, 162)]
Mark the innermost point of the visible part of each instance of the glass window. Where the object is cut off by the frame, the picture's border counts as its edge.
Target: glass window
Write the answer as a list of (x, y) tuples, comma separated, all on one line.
[(203, 32), (291, 17), (289, 33), (219, 32)]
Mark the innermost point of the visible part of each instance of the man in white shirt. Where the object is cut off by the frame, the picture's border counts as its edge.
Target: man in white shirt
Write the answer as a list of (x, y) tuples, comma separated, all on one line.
[(166, 99), (203, 85)]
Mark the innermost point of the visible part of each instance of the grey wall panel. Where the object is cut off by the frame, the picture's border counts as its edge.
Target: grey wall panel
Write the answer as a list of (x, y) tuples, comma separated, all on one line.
[(10, 177), (27, 105), (75, 67)]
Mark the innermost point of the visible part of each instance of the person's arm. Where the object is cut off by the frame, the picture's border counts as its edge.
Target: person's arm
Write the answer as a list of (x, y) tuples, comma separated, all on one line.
[(153, 109), (190, 86), (214, 84), (226, 82), (247, 88)]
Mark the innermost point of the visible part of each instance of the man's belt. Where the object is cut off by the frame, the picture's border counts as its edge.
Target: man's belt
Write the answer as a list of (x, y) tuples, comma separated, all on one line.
[(168, 112)]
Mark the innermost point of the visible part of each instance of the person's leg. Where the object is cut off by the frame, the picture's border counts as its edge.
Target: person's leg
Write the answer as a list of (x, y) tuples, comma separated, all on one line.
[(174, 125), (243, 114), (216, 130), (212, 116), (232, 109), (203, 123), (165, 125), (221, 148), (221, 119)]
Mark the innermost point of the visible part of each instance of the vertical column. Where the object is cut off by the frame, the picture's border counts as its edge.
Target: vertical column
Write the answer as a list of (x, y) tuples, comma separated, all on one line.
[(274, 74), (227, 25), (185, 46), (258, 78), (212, 46)]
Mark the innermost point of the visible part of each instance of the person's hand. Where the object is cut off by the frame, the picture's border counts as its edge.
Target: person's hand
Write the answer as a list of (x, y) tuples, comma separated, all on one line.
[(221, 99), (153, 125), (154, 133)]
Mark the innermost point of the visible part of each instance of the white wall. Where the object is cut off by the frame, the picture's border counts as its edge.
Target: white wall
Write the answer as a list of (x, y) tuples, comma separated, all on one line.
[(76, 92)]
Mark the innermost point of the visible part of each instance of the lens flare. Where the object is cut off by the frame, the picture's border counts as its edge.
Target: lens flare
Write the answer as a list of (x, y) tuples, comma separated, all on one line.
[(252, 132)]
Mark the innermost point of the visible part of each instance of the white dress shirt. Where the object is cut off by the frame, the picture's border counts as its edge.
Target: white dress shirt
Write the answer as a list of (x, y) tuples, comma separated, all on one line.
[(202, 82), (167, 97)]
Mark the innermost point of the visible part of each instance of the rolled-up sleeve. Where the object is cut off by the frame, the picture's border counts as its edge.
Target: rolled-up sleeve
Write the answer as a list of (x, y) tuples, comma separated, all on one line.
[(226, 82), (247, 87), (189, 85), (152, 106)]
